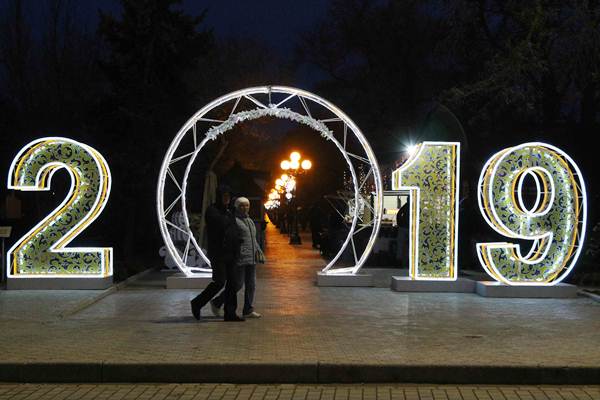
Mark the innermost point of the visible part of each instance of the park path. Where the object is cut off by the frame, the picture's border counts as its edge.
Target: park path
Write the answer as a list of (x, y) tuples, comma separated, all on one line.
[(286, 262), (144, 332)]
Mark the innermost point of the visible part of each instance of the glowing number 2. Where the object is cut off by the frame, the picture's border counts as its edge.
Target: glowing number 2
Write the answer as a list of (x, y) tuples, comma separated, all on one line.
[(431, 176), (555, 223), (42, 252)]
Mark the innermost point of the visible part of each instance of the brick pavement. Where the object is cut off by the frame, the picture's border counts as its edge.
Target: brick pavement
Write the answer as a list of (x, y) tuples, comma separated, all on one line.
[(294, 392), (307, 334)]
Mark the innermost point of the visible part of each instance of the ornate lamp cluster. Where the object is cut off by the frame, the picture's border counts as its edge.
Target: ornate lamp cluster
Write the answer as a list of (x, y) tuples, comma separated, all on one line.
[(293, 167), (296, 164), (286, 183)]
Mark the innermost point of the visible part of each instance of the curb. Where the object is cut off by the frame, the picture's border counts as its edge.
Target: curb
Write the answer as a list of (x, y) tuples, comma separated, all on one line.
[(106, 292), (108, 372), (585, 293)]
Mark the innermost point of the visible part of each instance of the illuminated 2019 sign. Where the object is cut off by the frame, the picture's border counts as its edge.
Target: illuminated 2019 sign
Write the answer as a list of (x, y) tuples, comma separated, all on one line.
[(554, 223), (43, 252)]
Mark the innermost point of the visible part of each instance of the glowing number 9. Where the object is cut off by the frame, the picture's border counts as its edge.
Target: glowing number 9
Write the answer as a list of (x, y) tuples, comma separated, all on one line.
[(431, 175), (555, 224), (42, 252)]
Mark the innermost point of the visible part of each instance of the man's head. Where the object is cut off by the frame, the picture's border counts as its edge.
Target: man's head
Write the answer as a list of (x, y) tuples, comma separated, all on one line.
[(242, 204), (224, 195), (225, 198)]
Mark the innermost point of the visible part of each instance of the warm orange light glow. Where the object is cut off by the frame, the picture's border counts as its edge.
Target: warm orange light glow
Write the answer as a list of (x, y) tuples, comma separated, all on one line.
[(285, 177), (295, 156), (291, 185), (306, 164), (295, 164), (285, 165), (278, 182)]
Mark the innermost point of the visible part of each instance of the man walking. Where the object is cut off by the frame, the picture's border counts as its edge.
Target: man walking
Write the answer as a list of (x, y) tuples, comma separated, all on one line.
[(219, 221)]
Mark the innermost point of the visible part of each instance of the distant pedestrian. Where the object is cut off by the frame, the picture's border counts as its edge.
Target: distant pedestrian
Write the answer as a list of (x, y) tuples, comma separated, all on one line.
[(244, 272), (402, 223), (316, 217), (220, 224)]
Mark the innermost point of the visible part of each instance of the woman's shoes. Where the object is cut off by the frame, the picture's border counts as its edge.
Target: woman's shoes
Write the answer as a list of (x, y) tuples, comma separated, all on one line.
[(234, 318), (215, 310)]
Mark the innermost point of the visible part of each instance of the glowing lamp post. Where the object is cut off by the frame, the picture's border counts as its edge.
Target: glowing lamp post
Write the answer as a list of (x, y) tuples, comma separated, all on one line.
[(294, 166)]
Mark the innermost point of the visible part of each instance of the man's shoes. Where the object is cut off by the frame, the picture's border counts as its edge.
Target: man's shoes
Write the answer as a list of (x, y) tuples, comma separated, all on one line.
[(234, 318), (215, 310), (195, 309), (253, 314)]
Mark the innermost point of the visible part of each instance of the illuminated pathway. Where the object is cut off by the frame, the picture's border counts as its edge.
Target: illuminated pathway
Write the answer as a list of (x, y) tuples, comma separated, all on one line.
[(298, 263)]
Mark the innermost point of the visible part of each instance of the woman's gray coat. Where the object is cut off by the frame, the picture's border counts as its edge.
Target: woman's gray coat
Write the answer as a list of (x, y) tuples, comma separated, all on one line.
[(248, 243)]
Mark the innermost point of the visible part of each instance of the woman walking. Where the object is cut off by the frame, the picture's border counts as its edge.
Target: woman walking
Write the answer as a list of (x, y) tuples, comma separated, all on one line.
[(244, 272)]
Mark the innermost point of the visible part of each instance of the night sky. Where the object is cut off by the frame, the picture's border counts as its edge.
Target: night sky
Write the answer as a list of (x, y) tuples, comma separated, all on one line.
[(273, 23)]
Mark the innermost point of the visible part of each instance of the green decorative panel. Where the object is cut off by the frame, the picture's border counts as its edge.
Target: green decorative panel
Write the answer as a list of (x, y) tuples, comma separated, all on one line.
[(431, 175), (554, 224), (42, 251)]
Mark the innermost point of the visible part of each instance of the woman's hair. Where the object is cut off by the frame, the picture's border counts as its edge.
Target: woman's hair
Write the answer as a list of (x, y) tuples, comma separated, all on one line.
[(241, 200)]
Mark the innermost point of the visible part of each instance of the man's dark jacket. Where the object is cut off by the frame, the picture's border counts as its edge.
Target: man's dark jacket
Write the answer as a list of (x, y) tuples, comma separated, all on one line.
[(223, 238)]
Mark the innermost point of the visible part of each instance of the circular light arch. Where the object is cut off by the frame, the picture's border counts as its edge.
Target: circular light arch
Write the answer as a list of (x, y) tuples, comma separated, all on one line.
[(278, 110)]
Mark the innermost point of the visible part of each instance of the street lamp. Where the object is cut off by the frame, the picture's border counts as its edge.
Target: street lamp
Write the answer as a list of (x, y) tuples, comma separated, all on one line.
[(281, 186), (294, 166)]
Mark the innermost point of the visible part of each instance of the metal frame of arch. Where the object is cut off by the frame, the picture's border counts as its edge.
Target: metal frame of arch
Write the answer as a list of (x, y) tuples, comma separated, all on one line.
[(267, 107)]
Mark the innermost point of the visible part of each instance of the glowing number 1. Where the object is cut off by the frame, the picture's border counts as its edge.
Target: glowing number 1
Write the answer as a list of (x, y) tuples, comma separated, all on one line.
[(42, 252), (431, 175)]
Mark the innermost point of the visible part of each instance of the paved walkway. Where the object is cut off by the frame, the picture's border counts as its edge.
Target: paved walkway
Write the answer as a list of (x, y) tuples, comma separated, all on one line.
[(308, 334), (296, 392)]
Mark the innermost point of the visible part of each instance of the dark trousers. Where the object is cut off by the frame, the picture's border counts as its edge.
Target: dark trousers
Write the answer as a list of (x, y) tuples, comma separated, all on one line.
[(316, 237), (237, 277), (219, 277)]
